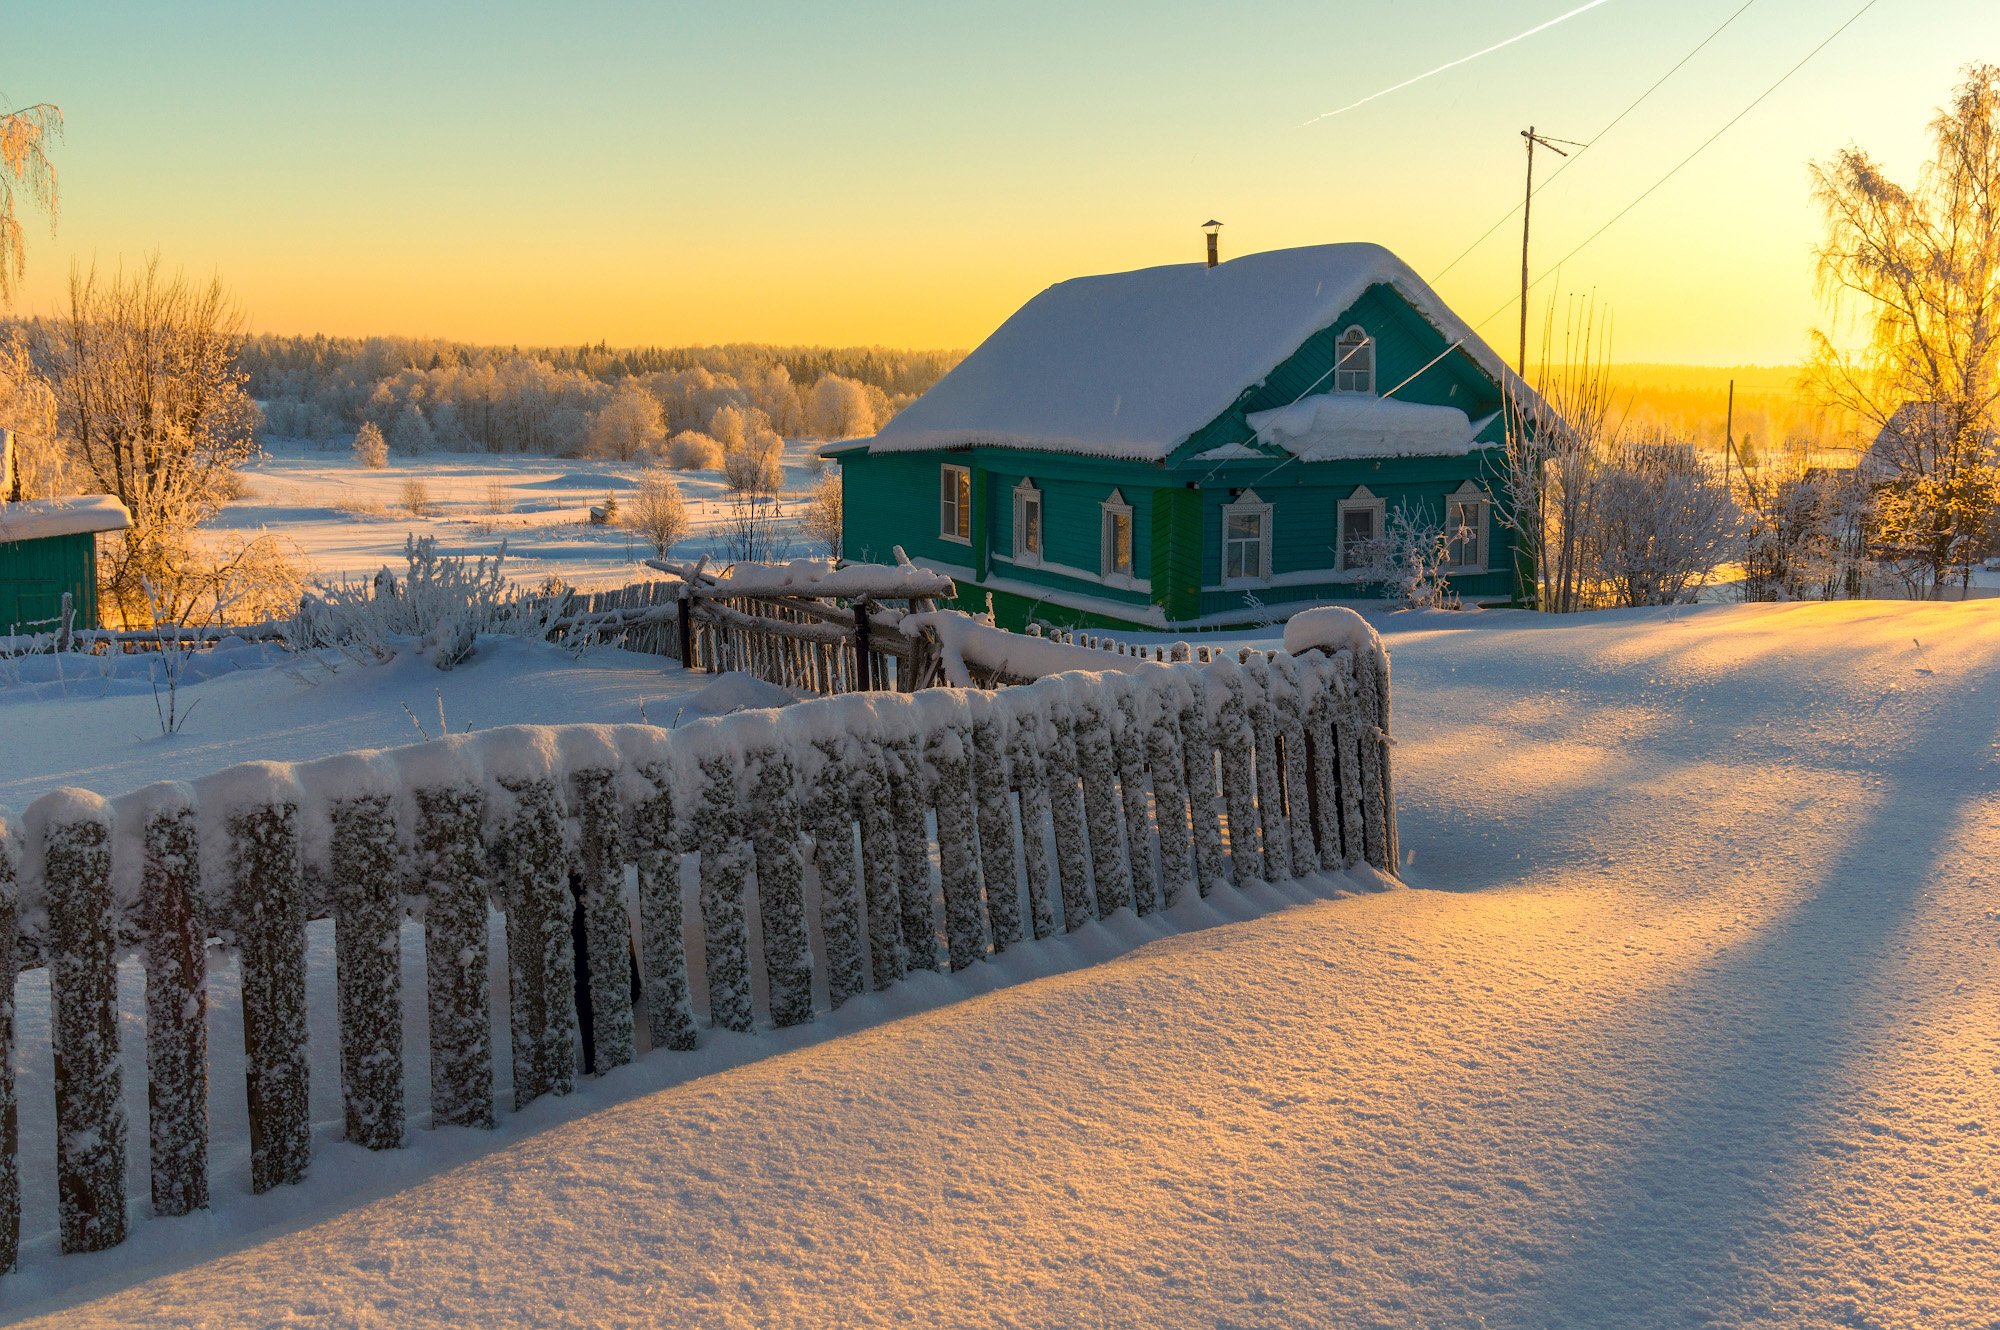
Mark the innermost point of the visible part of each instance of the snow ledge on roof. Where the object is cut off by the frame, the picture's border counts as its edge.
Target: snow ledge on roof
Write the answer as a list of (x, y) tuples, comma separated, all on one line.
[(40, 519), (1329, 426)]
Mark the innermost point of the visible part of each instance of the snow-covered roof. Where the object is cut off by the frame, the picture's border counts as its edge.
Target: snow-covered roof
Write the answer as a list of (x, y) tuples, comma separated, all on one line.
[(1130, 364), (38, 519)]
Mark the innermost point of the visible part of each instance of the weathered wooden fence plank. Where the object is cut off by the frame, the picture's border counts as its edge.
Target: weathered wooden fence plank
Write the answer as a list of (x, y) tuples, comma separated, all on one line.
[(657, 852), (1029, 775), (75, 834), (842, 907), (367, 920), (1060, 764), (999, 865), (882, 860), (176, 949), (1273, 834), (607, 930), (268, 919), (725, 864), (10, 1123), (456, 959), (948, 771), (910, 800), (1198, 747), (541, 954), (1160, 716), (1236, 745), (775, 834), (1129, 749), (1110, 869)]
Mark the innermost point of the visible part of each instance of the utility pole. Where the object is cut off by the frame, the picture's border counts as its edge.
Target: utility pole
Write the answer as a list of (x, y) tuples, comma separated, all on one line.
[(1527, 203)]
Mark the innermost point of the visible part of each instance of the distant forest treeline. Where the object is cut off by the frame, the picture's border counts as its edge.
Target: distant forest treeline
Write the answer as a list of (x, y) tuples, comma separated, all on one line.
[(619, 401)]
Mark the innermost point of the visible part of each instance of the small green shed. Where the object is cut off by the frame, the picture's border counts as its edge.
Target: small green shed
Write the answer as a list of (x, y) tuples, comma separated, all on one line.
[(48, 547), (1195, 446)]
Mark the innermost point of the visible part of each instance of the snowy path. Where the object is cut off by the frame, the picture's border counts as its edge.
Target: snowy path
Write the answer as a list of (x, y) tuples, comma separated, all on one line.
[(1713, 1041)]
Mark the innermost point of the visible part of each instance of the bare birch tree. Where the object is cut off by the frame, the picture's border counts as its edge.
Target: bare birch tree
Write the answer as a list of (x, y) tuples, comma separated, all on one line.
[(1920, 268), (25, 136)]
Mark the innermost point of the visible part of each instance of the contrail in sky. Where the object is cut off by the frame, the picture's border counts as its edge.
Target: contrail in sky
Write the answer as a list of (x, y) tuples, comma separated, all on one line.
[(1521, 36)]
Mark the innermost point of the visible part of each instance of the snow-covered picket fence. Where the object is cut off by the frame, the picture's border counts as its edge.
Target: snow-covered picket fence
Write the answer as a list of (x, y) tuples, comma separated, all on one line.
[(825, 848)]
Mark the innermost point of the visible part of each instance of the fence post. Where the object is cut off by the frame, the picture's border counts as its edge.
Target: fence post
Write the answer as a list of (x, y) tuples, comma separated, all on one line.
[(1129, 748), (367, 926), (456, 959), (684, 617), (1170, 799), (1288, 706), (864, 667), (1236, 742), (1367, 723), (176, 944), (10, 1125), (1198, 746), (269, 920)]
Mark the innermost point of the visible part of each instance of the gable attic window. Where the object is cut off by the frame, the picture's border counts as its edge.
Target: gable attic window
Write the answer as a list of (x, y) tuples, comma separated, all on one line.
[(1027, 522), (1360, 529), (1117, 541), (1246, 539), (1354, 362), (955, 492), (1465, 513)]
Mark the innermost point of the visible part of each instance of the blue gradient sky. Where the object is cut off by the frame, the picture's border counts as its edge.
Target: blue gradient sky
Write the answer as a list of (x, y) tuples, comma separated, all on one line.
[(909, 174)]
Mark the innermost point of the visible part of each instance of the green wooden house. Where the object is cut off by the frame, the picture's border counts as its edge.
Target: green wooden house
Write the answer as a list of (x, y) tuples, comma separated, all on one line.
[(1197, 446), (48, 548)]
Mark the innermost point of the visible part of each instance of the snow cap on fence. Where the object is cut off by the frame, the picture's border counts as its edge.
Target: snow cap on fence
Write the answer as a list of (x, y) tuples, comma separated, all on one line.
[(130, 815), (967, 644), (66, 807), (1332, 628)]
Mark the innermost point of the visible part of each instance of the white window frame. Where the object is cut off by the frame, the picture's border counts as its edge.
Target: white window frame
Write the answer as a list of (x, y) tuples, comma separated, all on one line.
[(1482, 503), (1108, 512), (955, 495), (1362, 500), (1348, 378), (1247, 504), (1025, 496)]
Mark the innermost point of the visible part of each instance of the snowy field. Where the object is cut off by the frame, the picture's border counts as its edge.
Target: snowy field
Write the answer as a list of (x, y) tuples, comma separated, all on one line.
[(1690, 1023), (348, 521)]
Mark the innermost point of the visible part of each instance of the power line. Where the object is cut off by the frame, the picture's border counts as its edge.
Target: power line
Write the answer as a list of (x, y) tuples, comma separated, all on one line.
[(1454, 64), (1585, 147)]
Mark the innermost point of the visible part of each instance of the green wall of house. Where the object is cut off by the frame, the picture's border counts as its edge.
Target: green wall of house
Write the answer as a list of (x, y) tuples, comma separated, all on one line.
[(34, 574)]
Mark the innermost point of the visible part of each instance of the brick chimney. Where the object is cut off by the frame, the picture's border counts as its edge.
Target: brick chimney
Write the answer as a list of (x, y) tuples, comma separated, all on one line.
[(1212, 227)]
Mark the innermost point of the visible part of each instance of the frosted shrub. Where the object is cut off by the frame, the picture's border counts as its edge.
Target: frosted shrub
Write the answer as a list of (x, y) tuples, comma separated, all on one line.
[(658, 513), (443, 605), (415, 498), (371, 450), (1409, 560), (821, 519), (691, 450)]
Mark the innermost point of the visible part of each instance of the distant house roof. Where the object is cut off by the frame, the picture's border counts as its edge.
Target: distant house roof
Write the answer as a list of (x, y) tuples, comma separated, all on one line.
[(38, 519), (1915, 434), (1130, 364)]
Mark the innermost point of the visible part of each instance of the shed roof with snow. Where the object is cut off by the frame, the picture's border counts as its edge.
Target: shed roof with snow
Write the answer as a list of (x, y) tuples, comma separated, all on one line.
[(1131, 365)]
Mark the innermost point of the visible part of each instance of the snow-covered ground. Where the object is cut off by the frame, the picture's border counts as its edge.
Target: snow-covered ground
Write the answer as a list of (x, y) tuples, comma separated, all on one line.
[(1694, 1025), (347, 521)]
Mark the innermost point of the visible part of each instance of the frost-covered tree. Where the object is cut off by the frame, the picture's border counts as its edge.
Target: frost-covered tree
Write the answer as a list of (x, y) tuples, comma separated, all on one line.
[(630, 425), (658, 512), (411, 434), (1409, 559), (839, 408), (1920, 267), (41, 463), (151, 404), (370, 448), (820, 519), (754, 463), (25, 136), (1663, 524)]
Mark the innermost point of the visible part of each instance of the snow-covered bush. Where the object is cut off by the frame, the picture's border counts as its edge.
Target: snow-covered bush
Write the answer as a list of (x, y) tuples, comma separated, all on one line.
[(440, 609), (691, 450), (658, 512), (371, 450), (1409, 560)]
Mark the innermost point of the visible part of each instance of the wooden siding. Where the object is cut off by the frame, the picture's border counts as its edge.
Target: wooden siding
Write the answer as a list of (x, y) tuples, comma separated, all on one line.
[(34, 574)]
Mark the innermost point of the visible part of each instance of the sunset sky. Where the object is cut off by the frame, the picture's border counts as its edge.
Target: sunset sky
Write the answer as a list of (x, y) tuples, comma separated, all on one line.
[(909, 174)]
